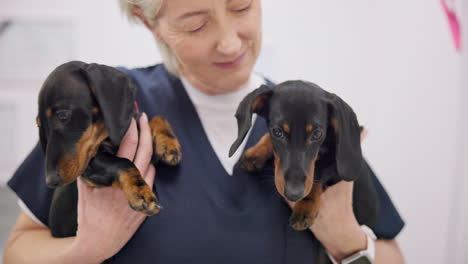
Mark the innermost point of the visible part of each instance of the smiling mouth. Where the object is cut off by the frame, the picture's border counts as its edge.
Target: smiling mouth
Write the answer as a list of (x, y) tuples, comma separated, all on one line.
[(231, 64)]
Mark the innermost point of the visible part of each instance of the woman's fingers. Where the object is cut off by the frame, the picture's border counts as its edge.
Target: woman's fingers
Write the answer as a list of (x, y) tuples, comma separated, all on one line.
[(138, 146), (83, 194), (98, 205), (145, 146), (150, 175), (129, 143)]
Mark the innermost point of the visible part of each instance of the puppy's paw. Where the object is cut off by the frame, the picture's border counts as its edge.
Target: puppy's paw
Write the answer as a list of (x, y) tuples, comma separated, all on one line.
[(253, 160), (165, 144), (170, 152), (301, 220), (304, 214), (144, 200)]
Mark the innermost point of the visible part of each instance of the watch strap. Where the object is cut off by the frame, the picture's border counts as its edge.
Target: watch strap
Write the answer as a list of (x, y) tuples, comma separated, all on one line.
[(368, 253)]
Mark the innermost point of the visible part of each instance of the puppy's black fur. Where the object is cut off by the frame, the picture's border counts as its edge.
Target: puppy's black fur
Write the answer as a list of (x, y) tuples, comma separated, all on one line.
[(314, 137), (84, 112)]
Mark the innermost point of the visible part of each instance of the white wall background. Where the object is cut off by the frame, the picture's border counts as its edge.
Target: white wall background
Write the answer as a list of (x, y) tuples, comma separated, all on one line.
[(459, 231), (393, 61)]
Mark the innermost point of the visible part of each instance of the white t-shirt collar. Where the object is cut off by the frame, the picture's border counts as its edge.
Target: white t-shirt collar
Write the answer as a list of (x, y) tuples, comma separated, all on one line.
[(217, 115)]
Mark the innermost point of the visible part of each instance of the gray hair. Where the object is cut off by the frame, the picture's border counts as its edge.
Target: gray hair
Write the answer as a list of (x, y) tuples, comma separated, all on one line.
[(150, 10)]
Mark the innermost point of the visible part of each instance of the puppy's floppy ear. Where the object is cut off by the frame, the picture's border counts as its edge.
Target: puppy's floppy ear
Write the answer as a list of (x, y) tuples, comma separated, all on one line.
[(350, 163), (115, 95), (254, 102)]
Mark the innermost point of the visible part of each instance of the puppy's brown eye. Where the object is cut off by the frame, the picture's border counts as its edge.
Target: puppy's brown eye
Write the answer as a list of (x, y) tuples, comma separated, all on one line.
[(317, 134), (63, 115), (277, 132)]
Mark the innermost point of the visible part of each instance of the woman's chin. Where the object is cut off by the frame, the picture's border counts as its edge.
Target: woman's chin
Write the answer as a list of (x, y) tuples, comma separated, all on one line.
[(236, 78), (234, 82)]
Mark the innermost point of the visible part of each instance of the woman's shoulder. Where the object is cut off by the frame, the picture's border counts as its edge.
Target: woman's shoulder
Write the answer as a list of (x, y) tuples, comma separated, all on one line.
[(149, 77), (155, 84)]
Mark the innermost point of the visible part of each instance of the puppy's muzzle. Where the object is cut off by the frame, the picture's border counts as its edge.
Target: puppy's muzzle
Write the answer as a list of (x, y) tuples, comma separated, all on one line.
[(294, 185), (53, 180)]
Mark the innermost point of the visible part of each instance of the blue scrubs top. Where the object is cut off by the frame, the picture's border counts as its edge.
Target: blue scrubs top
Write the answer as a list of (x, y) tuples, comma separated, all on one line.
[(208, 216)]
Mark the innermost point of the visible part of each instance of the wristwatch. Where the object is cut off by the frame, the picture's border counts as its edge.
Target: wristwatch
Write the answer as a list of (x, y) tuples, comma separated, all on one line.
[(364, 256)]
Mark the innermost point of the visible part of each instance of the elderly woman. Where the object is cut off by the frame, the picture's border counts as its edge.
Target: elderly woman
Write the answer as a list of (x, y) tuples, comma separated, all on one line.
[(213, 211)]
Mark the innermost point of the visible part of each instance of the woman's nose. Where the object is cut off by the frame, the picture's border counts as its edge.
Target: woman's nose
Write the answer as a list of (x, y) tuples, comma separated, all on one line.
[(229, 41)]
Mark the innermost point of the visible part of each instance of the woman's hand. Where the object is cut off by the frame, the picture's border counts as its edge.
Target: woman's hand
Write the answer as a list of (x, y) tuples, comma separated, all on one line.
[(105, 220), (336, 226)]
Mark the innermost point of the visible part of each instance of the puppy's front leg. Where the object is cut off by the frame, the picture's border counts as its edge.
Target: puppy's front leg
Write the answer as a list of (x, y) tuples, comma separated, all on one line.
[(306, 210), (139, 195), (108, 170), (165, 144), (254, 158)]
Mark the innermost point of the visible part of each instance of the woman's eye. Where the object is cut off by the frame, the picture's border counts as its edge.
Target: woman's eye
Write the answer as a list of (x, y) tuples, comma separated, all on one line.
[(242, 6), (243, 9), (197, 29), (63, 115), (317, 134), (277, 132)]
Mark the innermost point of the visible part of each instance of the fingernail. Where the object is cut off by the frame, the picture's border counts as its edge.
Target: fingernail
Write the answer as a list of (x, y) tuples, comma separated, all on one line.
[(145, 117)]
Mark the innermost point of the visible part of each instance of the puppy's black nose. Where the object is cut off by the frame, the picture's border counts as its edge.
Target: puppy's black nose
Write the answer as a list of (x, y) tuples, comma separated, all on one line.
[(53, 181), (294, 186), (293, 195)]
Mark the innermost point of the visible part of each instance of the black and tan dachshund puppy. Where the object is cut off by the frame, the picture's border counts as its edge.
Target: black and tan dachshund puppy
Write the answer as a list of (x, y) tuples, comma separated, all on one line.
[(314, 137), (84, 112)]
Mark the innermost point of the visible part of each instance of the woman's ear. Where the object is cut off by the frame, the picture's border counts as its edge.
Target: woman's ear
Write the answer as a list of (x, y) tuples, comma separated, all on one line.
[(156, 31), (157, 34), (138, 12)]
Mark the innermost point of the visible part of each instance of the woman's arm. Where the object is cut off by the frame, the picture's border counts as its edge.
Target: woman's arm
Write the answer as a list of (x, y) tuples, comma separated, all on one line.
[(387, 251), (30, 242), (105, 221), (338, 230)]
